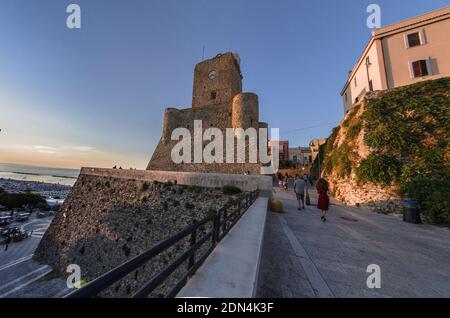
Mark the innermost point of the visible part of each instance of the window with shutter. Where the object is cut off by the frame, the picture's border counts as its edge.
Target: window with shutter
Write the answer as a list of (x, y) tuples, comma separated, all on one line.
[(420, 68), (414, 39)]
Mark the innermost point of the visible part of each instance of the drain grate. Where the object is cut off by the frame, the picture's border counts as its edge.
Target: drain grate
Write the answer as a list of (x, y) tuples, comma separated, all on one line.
[(349, 219)]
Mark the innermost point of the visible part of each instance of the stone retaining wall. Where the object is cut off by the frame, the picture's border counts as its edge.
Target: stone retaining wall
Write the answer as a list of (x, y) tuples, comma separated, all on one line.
[(381, 199), (111, 216), (209, 180)]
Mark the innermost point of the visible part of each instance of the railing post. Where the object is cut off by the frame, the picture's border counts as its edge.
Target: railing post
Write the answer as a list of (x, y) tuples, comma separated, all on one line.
[(192, 240), (225, 215), (216, 228)]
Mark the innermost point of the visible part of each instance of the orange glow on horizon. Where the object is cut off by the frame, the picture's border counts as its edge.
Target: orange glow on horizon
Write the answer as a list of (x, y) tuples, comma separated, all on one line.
[(75, 161)]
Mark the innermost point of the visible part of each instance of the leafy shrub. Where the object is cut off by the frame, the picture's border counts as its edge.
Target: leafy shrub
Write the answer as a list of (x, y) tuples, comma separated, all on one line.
[(379, 168), (411, 123), (18, 200), (432, 195), (230, 190), (350, 116), (43, 206), (330, 140), (167, 184), (145, 186), (339, 161), (400, 120), (408, 128), (327, 149), (353, 131)]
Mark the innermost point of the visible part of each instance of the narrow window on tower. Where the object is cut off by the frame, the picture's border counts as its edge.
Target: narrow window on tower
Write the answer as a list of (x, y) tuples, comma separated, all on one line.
[(213, 95)]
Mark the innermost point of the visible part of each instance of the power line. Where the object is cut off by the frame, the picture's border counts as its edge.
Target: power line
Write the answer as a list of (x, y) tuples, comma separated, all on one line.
[(310, 127)]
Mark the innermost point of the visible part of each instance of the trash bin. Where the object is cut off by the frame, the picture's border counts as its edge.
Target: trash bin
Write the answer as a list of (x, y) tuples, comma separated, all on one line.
[(411, 213)]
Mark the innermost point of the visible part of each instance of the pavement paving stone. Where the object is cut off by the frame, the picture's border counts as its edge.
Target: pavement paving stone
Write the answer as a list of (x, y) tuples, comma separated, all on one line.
[(414, 259)]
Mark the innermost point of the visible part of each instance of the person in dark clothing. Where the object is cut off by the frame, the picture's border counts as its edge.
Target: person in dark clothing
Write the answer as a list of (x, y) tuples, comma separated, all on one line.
[(8, 240), (323, 202), (285, 182)]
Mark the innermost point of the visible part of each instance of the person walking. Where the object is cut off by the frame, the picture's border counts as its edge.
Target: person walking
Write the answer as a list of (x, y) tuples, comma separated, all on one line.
[(285, 182), (324, 201), (8, 241), (299, 189), (280, 180)]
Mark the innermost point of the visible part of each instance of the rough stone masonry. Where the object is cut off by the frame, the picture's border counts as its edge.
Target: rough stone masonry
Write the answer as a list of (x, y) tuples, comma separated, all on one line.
[(219, 102), (106, 220)]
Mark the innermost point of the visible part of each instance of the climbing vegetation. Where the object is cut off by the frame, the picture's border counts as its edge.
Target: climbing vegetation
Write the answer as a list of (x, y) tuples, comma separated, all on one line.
[(408, 130)]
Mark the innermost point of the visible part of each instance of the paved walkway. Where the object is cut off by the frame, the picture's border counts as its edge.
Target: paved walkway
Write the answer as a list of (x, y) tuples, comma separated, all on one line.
[(303, 257)]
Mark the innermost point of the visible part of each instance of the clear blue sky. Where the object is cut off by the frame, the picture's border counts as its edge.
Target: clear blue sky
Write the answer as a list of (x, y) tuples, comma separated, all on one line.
[(96, 96)]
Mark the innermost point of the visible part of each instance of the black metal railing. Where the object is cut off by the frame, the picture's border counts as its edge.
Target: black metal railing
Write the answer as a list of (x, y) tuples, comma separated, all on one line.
[(222, 221)]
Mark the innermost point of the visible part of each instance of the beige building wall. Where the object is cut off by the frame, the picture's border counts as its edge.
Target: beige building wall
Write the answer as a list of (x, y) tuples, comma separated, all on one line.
[(391, 57), (435, 49)]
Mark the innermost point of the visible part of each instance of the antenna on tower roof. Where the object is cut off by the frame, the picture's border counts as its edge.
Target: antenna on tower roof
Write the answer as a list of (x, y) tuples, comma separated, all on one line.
[(203, 53)]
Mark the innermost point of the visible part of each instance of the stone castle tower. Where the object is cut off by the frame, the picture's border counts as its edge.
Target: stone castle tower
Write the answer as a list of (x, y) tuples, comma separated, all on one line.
[(219, 102)]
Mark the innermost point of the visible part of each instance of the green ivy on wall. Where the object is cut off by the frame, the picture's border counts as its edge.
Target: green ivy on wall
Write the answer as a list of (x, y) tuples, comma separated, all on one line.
[(409, 129)]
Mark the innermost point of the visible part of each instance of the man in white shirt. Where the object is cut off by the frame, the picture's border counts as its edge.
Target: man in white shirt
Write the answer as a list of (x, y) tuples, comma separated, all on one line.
[(299, 188)]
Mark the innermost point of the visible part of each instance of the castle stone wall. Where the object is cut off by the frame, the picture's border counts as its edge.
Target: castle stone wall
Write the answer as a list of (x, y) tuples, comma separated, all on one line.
[(227, 81), (209, 180), (111, 216), (245, 111)]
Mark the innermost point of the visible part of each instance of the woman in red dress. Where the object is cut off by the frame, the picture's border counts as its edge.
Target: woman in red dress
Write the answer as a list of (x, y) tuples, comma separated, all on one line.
[(323, 201)]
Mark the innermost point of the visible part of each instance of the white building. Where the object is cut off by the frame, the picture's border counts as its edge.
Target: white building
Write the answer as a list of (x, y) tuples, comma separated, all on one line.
[(300, 156)]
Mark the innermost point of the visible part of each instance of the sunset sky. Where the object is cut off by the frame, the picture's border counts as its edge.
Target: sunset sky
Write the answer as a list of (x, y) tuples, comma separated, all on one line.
[(95, 96)]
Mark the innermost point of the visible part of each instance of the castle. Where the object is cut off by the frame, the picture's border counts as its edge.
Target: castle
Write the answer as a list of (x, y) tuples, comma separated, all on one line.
[(218, 101)]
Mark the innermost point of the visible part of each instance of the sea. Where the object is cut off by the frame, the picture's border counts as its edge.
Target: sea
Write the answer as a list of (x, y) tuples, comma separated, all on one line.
[(41, 174)]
